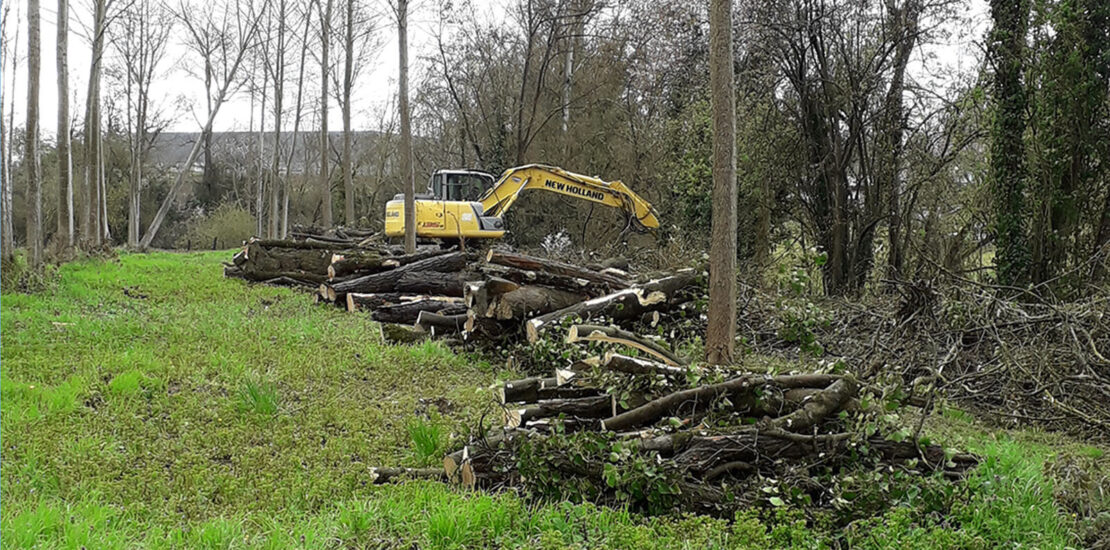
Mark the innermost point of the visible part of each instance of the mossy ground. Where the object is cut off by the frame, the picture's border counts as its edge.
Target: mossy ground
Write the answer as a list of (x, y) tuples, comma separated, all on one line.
[(149, 402)]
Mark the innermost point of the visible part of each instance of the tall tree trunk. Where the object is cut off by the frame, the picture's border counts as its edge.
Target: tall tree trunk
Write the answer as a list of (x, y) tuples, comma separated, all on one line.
[(65, 162), (721, 331), (277, 185), (296, 125), (904, 20), (348, 81), (7, 244), (209, 174), (31, 161), (7, 223), (325, 184), (407, 175), (260, 181), (1007, 165), (91, 226)]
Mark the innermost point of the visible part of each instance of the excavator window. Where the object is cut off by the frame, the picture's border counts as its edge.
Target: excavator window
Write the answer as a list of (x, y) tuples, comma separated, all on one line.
[(466, 187)]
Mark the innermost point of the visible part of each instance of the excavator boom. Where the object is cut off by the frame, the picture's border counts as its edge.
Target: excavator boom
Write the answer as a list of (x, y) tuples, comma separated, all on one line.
[(482, 218), (615, 194)]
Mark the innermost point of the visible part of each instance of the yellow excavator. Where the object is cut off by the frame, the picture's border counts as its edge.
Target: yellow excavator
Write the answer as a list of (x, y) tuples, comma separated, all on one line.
[(467, 204)]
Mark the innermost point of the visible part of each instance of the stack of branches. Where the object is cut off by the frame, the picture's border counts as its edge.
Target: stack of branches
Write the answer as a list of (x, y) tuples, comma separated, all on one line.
[(463, 296), (656, 432), (308, 262), (346, 237), (493, 295), (1013, 355)]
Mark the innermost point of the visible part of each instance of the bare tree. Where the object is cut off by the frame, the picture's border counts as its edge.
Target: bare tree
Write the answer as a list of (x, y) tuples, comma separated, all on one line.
[(140, 37), (360, 28), (222, 35), (92, 225), (65, 162), (298, 112), (408, 176), (275, 65), (31, 161), (721, 330), (7, 237), (325, 184)]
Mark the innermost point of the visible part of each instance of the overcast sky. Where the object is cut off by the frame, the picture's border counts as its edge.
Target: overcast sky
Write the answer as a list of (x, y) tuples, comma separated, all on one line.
[(960, 52)]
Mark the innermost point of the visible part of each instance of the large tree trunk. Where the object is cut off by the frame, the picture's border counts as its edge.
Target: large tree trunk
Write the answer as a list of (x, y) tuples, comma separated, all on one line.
[(721, 331), (65, 162), (1007, 159), (905, 21), (31, 161), (626, 304), (7, 135), (325, 184), (408, 177), (296, 125), (260, 181), (277, 183), (387, 281), (348, 81), (92, 230)]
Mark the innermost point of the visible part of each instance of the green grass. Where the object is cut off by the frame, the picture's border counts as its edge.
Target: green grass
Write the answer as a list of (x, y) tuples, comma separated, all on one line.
[(149, 402), (428, 440)]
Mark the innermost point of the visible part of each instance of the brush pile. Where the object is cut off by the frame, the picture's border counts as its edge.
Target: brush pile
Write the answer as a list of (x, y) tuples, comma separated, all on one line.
[(1018, 357), (658, 433), (470, 296)]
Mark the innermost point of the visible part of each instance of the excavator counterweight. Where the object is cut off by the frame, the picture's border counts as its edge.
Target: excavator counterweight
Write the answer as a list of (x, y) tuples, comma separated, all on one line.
[(469, 204)]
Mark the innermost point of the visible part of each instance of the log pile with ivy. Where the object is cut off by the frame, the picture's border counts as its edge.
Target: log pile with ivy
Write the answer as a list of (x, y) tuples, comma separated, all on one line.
[(639, 425)]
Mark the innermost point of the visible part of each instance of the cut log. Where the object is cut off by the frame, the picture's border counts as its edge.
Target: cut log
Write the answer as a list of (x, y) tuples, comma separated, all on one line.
[(436, 324), (289, 281), (357, 301), (403, 334), (820, 406), (302, 245), (343, 265), (542, 278), (407, 313), (431, 283), (694, 400), (263, 276), (528, 301), (532, 263), (379, 476), (599, 406), (626, 304), (610, 263), (421, 254), (386, 281), (614, 335), (526, 390), (636, 365)]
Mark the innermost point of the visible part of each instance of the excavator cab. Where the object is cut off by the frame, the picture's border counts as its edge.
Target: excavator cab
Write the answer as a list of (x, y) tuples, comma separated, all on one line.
[(467, 204), (459, 185), (449, 209)]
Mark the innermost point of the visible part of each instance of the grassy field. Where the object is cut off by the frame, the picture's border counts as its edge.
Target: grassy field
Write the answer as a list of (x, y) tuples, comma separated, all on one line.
[(149, 402)]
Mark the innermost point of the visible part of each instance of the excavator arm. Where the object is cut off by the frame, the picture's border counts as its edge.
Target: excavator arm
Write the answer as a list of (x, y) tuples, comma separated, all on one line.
[(615, 194)]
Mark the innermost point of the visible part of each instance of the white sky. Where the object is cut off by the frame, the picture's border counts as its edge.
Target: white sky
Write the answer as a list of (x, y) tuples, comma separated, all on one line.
[(958, 53)]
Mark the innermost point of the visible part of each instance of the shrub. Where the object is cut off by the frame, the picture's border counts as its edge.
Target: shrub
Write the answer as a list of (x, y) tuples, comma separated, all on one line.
[(228, 225)]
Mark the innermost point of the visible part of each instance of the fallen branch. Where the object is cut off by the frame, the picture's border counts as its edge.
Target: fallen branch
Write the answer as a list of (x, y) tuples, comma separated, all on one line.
[(614, 335)]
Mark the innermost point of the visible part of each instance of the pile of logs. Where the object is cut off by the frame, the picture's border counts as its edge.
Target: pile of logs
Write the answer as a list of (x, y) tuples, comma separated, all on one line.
[(468, 295), (734, 426)]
